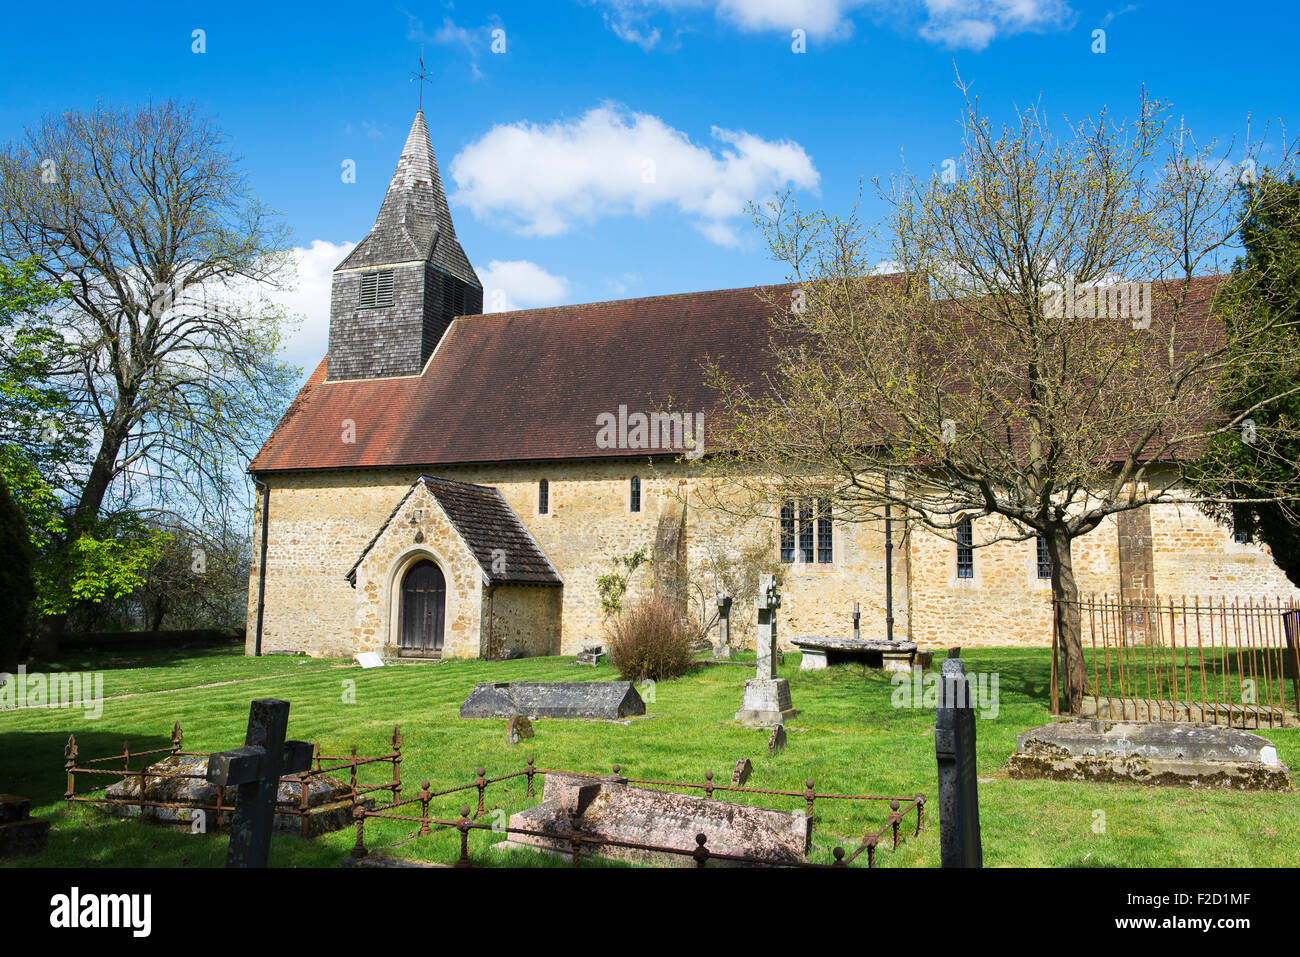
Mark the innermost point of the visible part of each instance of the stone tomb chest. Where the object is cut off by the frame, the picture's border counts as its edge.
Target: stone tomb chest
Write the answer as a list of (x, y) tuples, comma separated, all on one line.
[(181, 780), (553, 699)]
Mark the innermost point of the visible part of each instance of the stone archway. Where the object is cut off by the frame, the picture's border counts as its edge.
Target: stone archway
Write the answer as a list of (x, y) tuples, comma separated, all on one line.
[(422, 610)]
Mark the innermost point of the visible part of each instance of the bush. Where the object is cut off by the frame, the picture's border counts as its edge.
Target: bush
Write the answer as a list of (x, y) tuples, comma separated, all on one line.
[(652, 640), (15, 580)]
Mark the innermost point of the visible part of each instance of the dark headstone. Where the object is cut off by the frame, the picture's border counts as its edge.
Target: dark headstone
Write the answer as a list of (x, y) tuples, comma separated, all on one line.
[(20, 833), (742, 772), (256, 769), (553, 699), (776, 743), (517, 729), (954, 749), (591, 655)]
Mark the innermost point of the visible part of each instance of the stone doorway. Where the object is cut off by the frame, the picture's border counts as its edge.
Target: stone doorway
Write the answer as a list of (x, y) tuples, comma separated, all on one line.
[(424, 605)]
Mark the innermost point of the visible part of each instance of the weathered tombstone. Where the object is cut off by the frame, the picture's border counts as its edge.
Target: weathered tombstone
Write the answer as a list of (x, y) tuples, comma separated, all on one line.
[(954, 750), (369, 659), (776, 743), (256, 769), (723, 648), (742, 772), (767, 698), (611, 809), (20, 833), (517, 729)]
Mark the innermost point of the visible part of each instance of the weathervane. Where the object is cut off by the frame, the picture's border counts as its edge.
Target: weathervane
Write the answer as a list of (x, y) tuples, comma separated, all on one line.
[(421, 77)]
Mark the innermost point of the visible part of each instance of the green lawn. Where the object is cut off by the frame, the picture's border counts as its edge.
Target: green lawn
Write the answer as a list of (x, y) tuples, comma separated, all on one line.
[(848, 737)]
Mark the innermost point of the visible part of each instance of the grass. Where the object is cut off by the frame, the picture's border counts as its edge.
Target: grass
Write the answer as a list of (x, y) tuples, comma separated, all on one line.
[(848, 736)]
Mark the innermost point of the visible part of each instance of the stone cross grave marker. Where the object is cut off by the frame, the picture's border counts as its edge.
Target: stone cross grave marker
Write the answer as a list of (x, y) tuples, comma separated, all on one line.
[(954, 750), (768, 602), (256, 769), (723, 648), (766, 702)]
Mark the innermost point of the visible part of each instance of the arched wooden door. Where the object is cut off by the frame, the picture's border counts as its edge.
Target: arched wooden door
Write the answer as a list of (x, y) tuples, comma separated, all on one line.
[(424, 601)]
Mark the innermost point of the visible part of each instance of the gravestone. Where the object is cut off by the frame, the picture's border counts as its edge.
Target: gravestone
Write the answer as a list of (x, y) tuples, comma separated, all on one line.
[(1183, 754), (766, 701), (741, 773), (723, 648), (609, 807), (822, 651), (20, 833), (255, 769), (369, 659), (776, 743), (954, 750), (518, 729), (609, 700)]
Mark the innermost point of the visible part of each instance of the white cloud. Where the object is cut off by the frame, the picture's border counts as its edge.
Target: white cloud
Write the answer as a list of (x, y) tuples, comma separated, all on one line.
[(309, 299), (970, 24), (611, 161), (520, 284)]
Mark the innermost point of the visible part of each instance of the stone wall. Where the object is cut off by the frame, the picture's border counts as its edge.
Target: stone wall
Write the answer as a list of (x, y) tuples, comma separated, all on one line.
[(522, 620), (321, 522)]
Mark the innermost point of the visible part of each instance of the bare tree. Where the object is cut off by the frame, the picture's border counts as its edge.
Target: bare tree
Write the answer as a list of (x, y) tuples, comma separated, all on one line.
[(167, 257), (1050, 349)]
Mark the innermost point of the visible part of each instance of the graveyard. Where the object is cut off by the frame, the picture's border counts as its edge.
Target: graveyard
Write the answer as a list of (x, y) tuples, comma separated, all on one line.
[(848, 736)]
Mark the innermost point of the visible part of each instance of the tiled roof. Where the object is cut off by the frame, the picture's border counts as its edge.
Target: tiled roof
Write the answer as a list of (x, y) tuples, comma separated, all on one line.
[(529, 385), (505, 550)]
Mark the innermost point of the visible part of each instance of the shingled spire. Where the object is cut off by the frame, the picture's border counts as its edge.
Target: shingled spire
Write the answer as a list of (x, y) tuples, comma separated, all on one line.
[(398, 290)]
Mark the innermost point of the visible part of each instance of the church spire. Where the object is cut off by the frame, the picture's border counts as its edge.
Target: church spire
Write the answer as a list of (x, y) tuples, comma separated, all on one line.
[(396, 293), (414, 222)]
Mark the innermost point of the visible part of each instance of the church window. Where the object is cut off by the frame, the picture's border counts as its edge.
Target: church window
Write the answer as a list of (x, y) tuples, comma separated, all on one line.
[(543, 496), (787, 531), (1240, 527), (965, 549), (635, 496), (825, 541), (1044, 559), (376, 289), (805, 532)]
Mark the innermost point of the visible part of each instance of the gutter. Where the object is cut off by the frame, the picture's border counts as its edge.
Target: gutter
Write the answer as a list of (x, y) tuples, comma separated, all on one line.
[(261, 567)]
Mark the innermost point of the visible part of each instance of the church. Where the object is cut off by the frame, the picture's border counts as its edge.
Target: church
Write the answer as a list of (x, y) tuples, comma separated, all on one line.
[(450, 483)]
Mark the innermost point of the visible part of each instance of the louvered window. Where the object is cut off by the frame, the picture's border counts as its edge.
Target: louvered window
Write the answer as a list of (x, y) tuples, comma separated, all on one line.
[(376, 289)]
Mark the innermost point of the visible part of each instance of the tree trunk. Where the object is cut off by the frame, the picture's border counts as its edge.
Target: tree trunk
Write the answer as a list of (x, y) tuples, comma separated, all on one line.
[(1065, 611)]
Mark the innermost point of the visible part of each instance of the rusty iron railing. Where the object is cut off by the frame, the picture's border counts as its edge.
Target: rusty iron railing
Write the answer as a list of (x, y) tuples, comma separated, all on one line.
[(1192, 659), (899, 807), (324, 764)]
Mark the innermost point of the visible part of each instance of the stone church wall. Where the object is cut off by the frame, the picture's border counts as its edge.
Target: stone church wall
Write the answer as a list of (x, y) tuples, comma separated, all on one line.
[(320, 522)]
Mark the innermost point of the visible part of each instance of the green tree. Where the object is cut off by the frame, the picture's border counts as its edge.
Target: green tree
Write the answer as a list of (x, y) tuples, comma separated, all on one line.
[(1261, 495)]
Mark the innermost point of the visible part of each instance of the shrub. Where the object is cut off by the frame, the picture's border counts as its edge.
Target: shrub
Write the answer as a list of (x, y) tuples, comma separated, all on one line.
[(652, 640)]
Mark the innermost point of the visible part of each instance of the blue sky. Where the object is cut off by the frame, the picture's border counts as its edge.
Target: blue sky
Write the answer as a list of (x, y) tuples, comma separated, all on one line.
[(608, 151)]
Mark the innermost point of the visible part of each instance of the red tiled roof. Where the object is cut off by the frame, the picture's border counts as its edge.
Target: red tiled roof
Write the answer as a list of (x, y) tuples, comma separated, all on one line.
[(529, 385)]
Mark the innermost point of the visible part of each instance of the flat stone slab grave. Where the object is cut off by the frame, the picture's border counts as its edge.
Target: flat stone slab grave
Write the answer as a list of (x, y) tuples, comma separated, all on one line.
[(329, 800), (609, 807), (553, 699), (1183, 754), (822, 651)]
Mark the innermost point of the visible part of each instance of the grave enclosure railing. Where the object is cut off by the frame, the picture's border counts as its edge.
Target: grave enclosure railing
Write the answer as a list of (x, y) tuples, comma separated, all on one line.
[(899, 808), (324, 764), (1191, 659)]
